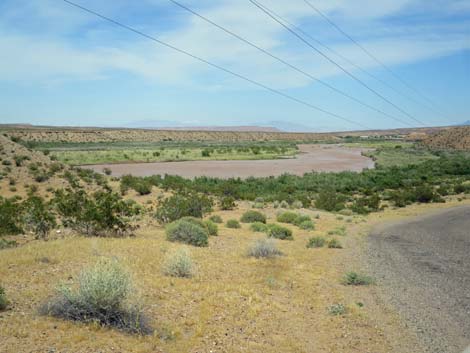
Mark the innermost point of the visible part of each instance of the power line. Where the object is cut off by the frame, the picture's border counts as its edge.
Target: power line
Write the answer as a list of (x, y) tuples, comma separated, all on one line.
[(365, 50), (267, 11), (182, 51), (303, 72), (350, 62)]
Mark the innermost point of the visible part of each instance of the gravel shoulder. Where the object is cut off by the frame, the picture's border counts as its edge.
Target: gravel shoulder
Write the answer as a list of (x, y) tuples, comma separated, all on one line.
[(423, 267)]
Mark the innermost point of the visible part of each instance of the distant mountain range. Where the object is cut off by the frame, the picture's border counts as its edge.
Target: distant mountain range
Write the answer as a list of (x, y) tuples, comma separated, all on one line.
[(467, 123), (271, 126)]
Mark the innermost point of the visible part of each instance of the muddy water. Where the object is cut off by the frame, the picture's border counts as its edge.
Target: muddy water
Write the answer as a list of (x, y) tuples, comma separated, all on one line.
[(320, 158)]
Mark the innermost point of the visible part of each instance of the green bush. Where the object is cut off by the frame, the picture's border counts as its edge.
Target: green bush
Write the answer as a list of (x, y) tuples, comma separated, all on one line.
[(279, 232), (265, 248), (337, 309), (316, 242), (253, 216), (356, 279), (103, 296), (187, 232), (101, 214), (287, 217), (330, 200), (5, 244), (216, 219), (37, 216), (227, 203), (3, 299), (10, 217), (178, 264), (334, 244), (182, 205), (143, 188), (233, 223), (211, 227), (259, 227), (307, 225)]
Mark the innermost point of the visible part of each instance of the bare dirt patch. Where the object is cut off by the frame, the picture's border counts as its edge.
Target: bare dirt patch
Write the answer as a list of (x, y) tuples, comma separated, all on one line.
[(320, 158)]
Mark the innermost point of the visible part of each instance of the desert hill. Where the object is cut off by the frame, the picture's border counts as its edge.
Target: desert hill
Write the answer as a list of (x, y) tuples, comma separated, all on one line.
[(457, 138)]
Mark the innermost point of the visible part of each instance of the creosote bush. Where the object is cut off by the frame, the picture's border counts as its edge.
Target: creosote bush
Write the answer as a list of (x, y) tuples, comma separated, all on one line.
[(3, 299), (287, 217), (216, 219), (265, 248), (188, 232), (259, 227), (356, 279), (253, 216), (316, 242), (178, 264), (279, 232), (104, 295), (233, 224), (183, 205), (334, 244)]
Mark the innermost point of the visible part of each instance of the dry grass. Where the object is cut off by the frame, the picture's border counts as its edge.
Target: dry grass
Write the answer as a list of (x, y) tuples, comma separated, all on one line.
[(234, 303)]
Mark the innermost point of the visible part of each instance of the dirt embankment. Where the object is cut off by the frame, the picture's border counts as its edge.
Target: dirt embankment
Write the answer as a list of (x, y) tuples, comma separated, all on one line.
[(455, 138), (320, 158)]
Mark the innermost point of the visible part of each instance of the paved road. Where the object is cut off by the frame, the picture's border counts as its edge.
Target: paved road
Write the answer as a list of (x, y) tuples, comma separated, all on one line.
[(424, 267)]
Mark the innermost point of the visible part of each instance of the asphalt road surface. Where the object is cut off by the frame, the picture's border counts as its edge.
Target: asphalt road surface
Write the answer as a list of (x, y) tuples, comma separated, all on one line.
[(423, 266)]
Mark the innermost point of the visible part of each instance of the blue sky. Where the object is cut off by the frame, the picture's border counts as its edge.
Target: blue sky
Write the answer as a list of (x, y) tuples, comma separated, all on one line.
[(60, 66)]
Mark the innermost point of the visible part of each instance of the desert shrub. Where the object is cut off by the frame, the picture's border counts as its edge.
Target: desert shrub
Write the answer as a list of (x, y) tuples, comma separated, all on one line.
[(206, 152), (365, 205), (287, 217), (356, 279), (341, 231), (6, 162), (10, 217), (316, 242), (143, 188), (107, 171), (233, 223), (301, 219), (37, 216), (297, 204), (5, 243), (307, 225), (178, 264), (265, 248), (211, 228), (279, 232), (20, 159), (182, 205), (334, 244), (216, 219), (253, 216), (103, 296), (258, 205), (188, 232), (100, 214), (330, 200), (337, 309), (259, 227), (3, 299), (227, 203), (284, 204)]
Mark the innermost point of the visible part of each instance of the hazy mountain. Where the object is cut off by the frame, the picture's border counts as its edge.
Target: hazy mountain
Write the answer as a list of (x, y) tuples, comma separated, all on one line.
[(174, 125)]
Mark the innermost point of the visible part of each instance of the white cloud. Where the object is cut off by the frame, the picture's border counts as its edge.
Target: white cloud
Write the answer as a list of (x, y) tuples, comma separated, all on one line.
[(54, 55)]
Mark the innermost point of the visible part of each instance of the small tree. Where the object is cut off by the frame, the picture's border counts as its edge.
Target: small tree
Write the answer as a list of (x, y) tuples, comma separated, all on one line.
[(183, 205), (37, 216)]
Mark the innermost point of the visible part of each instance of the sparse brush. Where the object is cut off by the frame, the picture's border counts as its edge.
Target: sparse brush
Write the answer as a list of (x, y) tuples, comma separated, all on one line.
[(334, 244), (216, 219), (264, 248), (253, 216), (211, 227), (355, 279), (233, 224), (337, 309), (297, 204), (316, 242), (301, 219), (103, 296), (178, 264)]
